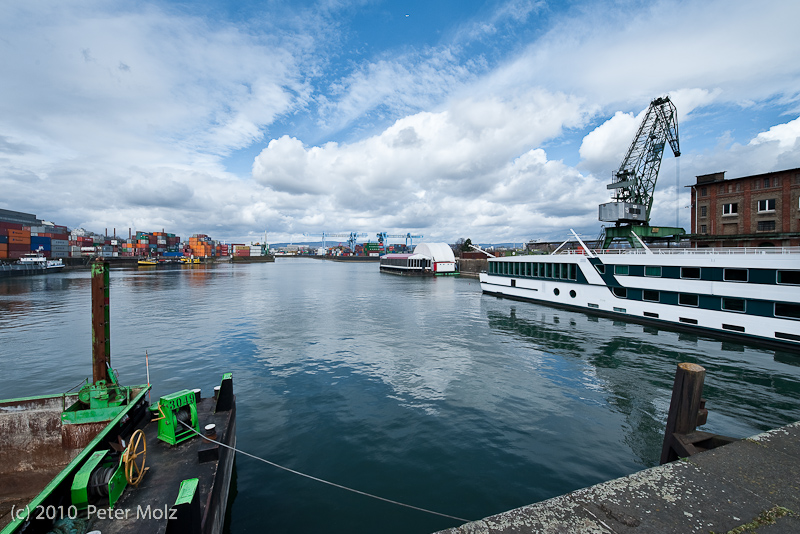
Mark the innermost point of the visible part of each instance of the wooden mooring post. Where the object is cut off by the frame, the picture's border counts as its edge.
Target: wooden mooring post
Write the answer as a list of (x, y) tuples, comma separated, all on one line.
[(687, 411)]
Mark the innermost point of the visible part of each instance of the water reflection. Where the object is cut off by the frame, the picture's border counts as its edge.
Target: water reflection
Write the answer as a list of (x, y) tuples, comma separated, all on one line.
[(635, 366)]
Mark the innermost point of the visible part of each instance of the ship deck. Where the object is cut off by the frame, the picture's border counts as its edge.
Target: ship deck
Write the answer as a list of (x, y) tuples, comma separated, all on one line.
[(146, 508)]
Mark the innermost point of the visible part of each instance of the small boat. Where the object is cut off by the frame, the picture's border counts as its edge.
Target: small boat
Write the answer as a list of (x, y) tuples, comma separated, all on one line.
[(147, 262), (105, 459)]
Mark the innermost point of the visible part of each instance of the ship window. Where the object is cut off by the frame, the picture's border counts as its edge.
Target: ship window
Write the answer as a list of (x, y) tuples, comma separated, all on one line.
[(600, 268), (737, 305), (621, 270), (652, 296), (556, 292), (687, 299), (687, 321), (592, 305), (528, 269), (549, 270), (790, 311), (565, 270), (572, 293), (651, 270), (620, 310), (735, 328), (734, 275), (651, 314), (535, 269), (730, 209), (690, 272), (556, 271), (766, 204), (621, 292), (789, 277), (573, 272)]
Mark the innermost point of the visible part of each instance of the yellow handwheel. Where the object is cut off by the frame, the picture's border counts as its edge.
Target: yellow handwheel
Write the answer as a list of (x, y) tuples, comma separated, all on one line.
[(134, 457)]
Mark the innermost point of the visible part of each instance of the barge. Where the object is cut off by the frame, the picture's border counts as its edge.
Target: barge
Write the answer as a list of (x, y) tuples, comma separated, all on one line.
[(31, 264), (105, 459), (428, 259)]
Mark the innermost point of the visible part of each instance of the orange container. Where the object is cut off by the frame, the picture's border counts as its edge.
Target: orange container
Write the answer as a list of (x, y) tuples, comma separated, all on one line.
[(19, 233), (15, 240)]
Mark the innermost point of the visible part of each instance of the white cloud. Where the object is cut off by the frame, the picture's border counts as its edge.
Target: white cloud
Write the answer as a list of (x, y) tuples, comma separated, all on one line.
[(784, 134)]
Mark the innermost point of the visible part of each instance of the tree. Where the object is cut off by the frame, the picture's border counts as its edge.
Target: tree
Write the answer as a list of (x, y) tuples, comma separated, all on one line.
[(466, 245)]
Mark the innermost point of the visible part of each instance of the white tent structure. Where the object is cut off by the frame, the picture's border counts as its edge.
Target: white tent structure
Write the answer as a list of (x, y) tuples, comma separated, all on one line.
[(440, 255)]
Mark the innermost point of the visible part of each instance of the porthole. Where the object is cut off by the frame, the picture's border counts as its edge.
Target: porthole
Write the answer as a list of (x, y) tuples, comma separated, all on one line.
[(556, 291), (572, 293)]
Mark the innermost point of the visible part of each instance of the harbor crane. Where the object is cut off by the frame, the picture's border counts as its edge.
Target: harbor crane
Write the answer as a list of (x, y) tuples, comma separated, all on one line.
[(383, 238), (352, 238), (634, 182)]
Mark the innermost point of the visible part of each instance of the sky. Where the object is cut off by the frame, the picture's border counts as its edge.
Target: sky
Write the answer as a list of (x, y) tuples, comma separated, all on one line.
[(498, 121)]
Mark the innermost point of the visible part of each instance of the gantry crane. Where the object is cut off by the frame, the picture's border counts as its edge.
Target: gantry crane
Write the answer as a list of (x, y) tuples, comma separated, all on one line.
[(352, 238), (383, 237), (634, 182)]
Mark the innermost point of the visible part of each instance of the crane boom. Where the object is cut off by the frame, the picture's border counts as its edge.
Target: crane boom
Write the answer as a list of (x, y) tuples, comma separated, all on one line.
[(635, 180)]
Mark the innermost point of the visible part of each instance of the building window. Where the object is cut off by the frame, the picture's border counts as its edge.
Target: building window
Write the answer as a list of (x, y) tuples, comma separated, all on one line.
[(730, 209), (736, 305), (703, 229), (765, 226), (703, 211), (686, 299), (766, 183), (703, 191), (766, 205), (690, 272)]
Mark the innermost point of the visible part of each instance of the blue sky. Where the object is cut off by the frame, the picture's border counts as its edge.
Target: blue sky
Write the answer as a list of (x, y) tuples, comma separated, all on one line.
[(498, 121)]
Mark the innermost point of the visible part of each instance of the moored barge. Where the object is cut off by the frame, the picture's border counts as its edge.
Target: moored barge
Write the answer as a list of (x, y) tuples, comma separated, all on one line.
[(106, 459)]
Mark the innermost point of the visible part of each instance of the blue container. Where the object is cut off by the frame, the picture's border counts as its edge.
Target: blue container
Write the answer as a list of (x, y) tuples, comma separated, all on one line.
[(35, 239), (44, 246), (3, 239)]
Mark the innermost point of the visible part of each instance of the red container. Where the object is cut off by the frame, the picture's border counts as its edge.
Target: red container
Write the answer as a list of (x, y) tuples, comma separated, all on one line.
[(10, 226)]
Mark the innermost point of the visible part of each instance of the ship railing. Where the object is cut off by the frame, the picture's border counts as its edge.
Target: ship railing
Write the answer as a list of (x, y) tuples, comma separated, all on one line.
[(690, 251)]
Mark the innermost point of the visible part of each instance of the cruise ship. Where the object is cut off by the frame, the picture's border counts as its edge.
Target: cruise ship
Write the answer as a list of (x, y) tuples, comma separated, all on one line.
[(739, 292)]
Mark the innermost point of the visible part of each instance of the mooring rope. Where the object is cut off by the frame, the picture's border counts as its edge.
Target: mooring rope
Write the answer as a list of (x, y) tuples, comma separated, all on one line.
[(364, 493)]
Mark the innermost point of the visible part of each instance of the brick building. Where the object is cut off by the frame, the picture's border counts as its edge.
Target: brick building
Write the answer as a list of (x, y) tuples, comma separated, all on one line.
[(752, 211)]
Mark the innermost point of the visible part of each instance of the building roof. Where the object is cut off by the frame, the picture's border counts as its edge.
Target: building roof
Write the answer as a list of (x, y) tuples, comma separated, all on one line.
[(436, 251)]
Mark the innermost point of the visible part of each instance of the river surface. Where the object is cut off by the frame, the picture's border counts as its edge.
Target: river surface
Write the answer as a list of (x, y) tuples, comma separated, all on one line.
[(422, 391)]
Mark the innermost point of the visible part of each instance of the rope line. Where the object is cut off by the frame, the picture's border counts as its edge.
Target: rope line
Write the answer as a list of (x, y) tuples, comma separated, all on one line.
[(364, 493)]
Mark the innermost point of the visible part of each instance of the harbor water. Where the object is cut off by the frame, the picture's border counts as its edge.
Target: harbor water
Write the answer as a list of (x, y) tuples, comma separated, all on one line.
[(422, 391)]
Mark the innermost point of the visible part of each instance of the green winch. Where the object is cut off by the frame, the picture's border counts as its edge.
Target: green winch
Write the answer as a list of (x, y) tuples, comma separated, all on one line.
[(177, 417)]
